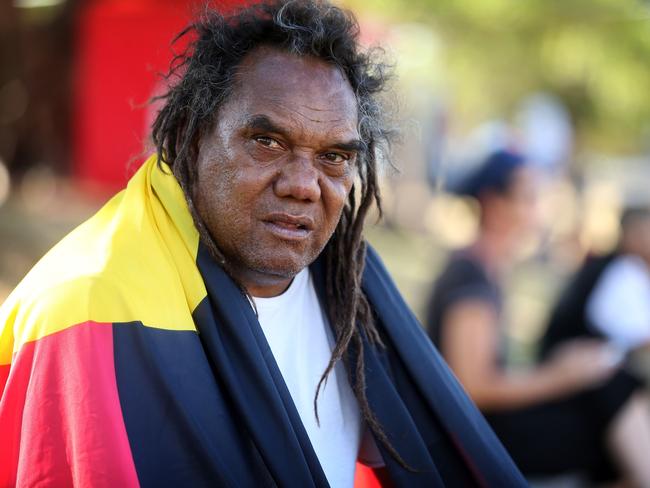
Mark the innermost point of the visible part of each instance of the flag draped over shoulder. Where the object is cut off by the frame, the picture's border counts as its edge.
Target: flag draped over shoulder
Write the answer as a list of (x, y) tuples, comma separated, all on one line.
[(129, 358)]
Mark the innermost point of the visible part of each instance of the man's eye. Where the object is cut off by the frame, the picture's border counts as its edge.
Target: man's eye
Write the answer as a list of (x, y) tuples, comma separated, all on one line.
[(267, 141), (336, 158)]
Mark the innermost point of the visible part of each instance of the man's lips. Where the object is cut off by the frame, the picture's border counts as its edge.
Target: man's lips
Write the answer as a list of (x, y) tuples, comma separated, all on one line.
[(290, 227)]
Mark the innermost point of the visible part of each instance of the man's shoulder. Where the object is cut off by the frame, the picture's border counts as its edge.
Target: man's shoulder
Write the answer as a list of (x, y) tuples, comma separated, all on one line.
[(33, 313), (108, 270)]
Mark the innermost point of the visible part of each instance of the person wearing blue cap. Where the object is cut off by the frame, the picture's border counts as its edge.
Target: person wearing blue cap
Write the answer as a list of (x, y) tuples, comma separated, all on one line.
[(571, 413)]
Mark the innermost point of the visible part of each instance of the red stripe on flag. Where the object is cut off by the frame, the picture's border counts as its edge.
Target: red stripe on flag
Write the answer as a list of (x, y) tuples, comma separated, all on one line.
[(60, 417), (367, 477), (4, 374)]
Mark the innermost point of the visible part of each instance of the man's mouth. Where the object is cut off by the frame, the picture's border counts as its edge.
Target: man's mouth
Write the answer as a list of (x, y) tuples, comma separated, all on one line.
[(289, 227)]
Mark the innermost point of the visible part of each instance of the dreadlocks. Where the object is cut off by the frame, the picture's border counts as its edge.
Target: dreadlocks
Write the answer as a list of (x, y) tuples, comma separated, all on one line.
[(205, 74)]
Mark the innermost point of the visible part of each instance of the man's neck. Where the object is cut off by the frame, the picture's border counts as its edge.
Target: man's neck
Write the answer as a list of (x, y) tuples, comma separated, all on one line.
[(263, 285)]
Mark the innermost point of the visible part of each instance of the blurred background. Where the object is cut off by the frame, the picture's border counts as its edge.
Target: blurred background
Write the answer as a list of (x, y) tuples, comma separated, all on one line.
[(564, 81)]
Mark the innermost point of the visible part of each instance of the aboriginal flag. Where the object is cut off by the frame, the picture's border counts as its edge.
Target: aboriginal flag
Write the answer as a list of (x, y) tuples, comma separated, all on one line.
[(128, 357)]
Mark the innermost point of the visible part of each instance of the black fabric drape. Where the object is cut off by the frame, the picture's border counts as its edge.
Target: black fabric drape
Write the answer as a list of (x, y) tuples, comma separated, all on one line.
[(420, 405)]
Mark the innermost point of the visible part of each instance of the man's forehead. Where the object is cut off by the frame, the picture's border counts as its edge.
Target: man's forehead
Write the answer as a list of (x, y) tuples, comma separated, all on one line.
[(314, 88)]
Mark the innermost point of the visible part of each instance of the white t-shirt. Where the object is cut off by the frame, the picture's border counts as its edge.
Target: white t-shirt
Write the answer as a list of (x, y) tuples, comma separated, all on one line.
[(619, 306), (298, 332)]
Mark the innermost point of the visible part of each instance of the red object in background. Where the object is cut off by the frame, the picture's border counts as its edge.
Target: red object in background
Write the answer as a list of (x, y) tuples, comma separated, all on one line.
[(122, 47)]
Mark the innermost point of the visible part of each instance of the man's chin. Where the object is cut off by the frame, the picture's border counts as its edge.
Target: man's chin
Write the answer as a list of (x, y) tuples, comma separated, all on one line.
[(287, 270), (283, 267)]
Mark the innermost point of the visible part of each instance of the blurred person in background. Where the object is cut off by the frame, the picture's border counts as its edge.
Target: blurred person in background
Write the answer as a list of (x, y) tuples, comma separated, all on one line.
[(573, 412), (609, 296)]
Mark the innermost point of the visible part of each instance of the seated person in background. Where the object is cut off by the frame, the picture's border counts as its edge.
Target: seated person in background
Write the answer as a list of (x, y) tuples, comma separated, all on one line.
[(576, 412), (609, 296)]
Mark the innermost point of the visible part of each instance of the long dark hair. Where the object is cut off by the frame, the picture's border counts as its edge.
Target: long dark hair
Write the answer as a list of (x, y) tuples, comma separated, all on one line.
[(202, 78)]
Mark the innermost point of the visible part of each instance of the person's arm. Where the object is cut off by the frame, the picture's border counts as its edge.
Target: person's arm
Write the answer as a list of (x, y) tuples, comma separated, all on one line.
[(470, 340)]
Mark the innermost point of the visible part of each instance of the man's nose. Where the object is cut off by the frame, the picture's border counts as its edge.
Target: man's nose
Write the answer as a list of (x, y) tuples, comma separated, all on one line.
[(298, 179)]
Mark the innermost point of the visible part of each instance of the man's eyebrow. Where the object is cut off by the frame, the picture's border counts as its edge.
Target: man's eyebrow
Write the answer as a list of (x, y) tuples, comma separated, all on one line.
[(355, 145), (263, 124)]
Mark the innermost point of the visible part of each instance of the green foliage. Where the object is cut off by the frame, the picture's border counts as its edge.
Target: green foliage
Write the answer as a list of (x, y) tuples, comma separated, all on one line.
[(593, 54)]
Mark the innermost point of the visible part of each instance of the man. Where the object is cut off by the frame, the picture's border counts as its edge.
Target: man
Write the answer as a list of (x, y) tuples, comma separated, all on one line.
[(219, 322)]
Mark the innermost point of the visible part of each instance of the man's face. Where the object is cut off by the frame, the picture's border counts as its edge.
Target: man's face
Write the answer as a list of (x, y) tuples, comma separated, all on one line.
[(276, 170)]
